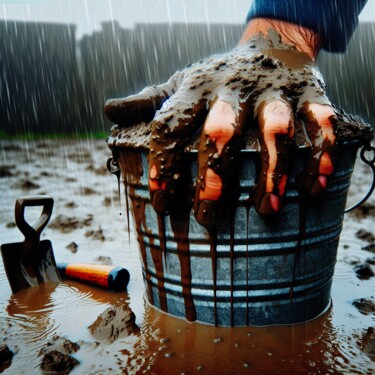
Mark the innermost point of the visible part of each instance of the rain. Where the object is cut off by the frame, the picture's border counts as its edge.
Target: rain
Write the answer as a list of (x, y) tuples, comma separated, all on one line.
[(60, 61)]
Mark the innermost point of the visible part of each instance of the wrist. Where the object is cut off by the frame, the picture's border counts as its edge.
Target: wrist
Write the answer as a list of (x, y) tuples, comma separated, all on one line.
[(304, 39)]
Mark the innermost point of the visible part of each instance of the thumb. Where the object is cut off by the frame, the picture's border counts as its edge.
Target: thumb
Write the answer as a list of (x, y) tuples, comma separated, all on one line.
[(141, 107)]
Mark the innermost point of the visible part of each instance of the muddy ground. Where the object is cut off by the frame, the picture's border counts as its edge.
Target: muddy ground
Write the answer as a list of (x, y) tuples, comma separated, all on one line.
[(83, 329)]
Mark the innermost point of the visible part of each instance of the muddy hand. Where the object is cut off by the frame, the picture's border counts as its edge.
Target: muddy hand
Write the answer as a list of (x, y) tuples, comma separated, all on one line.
[(319, 120), (276, 127), (209, 98), (265, 84), (262, 84), (301, 87)]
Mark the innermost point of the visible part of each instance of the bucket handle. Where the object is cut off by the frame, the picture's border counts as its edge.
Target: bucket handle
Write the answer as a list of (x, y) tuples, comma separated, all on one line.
[(371, 163)]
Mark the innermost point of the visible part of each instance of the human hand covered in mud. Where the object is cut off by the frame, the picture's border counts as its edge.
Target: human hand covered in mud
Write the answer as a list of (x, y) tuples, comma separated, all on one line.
[(264, 84)]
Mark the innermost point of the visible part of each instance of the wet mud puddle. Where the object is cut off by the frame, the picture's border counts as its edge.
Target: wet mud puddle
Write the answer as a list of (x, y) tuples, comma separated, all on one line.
[(108, 332)]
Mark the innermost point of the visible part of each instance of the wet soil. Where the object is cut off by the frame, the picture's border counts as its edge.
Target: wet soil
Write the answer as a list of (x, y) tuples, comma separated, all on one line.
[(57, 355), (368, 342), (144, 340), (365, 306)]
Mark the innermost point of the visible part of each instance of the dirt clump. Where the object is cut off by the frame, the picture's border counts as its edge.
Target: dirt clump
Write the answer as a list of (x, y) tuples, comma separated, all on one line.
[(364, 271), (68, 224), (364, 210), (55, 361), (6, 171), (108, 201), (96, 234), (365, 305), (70, 205), (56, 355), (45, 174), (25, 184), (368, 343), (84, 156), (370, 247), (73, 247), (12, 147), (87, 191), (101, 171), (364, 235), (113, 322), (6, 354)]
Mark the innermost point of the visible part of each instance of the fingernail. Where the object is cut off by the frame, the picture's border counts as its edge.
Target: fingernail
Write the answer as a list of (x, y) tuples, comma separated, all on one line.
[(319, 186), (161, 201), (323, 182), (207, 213), (270, 204)]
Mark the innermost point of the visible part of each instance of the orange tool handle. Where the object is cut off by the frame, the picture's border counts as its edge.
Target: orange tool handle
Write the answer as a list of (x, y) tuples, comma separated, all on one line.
[(111, 277)]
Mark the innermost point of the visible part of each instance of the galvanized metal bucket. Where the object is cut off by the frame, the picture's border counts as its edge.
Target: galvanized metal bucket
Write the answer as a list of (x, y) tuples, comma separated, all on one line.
[(263, 271)]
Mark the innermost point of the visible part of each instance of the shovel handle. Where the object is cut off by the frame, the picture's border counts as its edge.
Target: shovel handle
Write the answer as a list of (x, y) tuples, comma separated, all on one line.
[(111, 277), (32, 232)]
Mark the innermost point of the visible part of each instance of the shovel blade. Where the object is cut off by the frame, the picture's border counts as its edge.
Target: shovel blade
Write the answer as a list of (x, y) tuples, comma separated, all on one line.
[(43, 265)]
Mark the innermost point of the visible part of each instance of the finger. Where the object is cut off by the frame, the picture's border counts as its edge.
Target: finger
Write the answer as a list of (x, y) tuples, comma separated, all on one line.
[(173, 128), (319, 120), (222, 124), (275, 120), (141, 107)]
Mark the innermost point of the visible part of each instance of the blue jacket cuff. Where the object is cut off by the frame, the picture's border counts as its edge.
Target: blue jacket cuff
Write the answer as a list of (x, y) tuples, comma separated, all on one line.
[(334, 20)]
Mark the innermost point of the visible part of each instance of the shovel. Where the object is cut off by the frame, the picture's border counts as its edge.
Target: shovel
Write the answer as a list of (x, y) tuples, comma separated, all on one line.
[(30, 262)]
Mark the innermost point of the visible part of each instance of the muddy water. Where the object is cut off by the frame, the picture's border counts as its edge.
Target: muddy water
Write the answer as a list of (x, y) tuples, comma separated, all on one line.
[(87, 213)]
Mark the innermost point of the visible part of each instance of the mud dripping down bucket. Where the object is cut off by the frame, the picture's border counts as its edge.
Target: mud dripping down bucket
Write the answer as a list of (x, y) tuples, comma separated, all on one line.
[(258, 271)]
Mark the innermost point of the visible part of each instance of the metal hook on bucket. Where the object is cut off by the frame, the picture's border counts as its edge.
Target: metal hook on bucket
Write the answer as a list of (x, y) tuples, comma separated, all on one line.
[(113, 166), (370, 162)]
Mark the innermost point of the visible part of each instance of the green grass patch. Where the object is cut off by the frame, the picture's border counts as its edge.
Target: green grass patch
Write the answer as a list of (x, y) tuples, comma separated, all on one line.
[(55, 136)]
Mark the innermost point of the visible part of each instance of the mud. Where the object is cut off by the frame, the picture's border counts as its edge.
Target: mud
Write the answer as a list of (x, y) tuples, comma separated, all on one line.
[(368, 343), (364, 305), (5, 353), (68, 224), (114, 322), (56, 355), (365, 235), (60, 344), (102, 171), (87, 191), (7, 171), (370, 248), (73, 247), (163, 344), (96, 234), (25, 185), (363, 210), (70, 204), (364, 271)]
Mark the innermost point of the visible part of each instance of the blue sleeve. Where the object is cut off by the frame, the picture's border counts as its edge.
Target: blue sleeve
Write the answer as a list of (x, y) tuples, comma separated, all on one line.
[(334, 20)]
